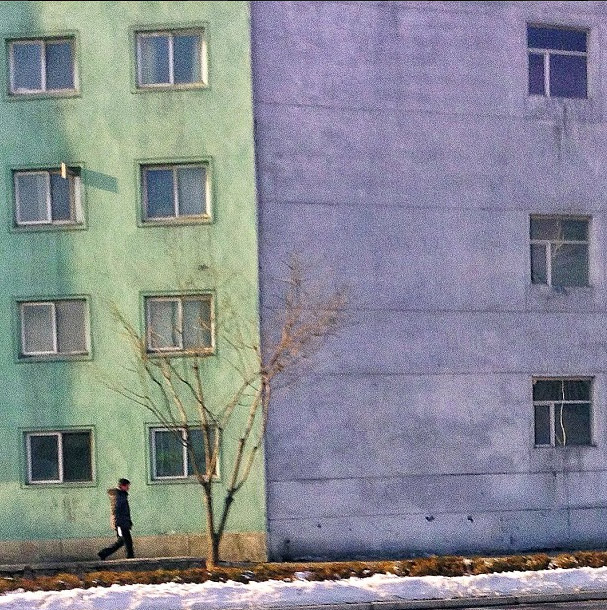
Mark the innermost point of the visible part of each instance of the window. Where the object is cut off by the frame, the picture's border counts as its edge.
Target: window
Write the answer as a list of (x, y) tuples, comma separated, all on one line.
[(42, 66), (562, 411), (557, 61), (170, 455), (175, 192), (170, 59), (179, 324), (54, 328), (559, 250), (59, 457), (43, 197)]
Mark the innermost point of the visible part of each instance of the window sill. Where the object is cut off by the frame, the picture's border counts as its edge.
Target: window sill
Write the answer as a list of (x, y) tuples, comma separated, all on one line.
[(170, 88), (540, 297), (43, 95), (64, 485), (567, 447), (181, 353), (554, 108), (205, 219), (184, 481), (55, 358), (42, 228)]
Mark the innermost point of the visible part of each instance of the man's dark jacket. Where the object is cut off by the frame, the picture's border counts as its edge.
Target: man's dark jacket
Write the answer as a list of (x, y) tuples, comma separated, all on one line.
[(121, 513)]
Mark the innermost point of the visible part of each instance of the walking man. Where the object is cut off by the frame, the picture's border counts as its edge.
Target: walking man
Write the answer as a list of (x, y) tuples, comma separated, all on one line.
[(120, 520)]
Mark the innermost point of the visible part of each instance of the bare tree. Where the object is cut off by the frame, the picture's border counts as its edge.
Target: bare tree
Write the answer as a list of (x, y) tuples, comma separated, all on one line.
[(173, 388)]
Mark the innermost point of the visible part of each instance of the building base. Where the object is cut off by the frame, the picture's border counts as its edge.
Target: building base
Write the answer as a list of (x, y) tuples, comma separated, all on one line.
[(241, 546)]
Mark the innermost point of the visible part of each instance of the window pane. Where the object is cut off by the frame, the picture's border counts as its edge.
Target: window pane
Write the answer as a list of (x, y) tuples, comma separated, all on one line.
[(569, 265), (32, 197), (536, 74), (568, 76), (572, 425), (186, 53), (545, 228), (77, 456), (556, 38), (27, 66), (59, 65), (196, 323), (37, 322), (164, 324), (159, 193), (61, 192), (578, 389), (191, 190), (542, 425), (197, 442), (547, 389), (44, 455), (153, 60), (539, 272), (169, 454), (575, 230), (71, 327)]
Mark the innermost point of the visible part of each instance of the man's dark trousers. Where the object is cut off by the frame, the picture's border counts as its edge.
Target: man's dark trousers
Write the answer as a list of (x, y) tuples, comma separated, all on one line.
[(124, 539)]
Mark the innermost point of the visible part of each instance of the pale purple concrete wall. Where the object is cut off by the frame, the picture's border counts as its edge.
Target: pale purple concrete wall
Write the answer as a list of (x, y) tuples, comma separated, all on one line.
[(398, 148)]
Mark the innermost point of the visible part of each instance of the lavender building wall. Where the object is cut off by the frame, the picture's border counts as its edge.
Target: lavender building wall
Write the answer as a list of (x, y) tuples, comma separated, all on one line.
[(399, 150)]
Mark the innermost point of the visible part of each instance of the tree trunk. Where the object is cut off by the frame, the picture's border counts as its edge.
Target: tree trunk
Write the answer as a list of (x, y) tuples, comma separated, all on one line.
[(213, 539), (213, 558)]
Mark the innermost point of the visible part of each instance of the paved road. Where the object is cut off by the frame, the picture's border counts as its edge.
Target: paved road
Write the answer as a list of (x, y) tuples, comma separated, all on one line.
[(588, 605)]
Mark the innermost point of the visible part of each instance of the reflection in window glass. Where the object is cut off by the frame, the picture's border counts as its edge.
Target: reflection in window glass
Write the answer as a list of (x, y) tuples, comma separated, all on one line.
[(43, 197), (180, 323), (559, 251), (154, 65), (169, 454), (562, 412), (54, 328)]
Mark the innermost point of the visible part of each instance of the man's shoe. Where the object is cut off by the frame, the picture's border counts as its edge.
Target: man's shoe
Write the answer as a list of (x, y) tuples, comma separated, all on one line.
[(101, 556)]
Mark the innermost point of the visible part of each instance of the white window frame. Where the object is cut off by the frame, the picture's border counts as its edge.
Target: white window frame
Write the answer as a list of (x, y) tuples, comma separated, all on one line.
[(179, 299), (75, 199), (155, 477), (28, 436), (548, 243), (42, 42), (547, 52), (174, 168), (552, 409), (55, 352), (59, 434), (170, 34)]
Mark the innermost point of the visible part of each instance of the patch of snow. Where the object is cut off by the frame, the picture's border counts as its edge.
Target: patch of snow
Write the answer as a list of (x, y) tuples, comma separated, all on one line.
[(273, 593)]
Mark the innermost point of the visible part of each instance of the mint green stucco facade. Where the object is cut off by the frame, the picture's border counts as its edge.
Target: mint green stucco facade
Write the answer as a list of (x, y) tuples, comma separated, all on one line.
[(108, 129)]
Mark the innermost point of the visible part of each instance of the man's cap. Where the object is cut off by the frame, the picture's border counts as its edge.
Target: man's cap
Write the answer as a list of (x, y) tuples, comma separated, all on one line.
[(123, 482)]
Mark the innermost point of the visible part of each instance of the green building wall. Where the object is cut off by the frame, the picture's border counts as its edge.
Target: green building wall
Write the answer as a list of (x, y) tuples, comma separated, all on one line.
[(108, 128)]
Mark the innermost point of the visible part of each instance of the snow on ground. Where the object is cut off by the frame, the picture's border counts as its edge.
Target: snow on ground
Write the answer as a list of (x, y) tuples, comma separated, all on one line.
[(381, 587)]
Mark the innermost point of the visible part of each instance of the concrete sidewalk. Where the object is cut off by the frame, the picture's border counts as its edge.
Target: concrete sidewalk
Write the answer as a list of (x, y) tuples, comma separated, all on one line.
[(82, 567)]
